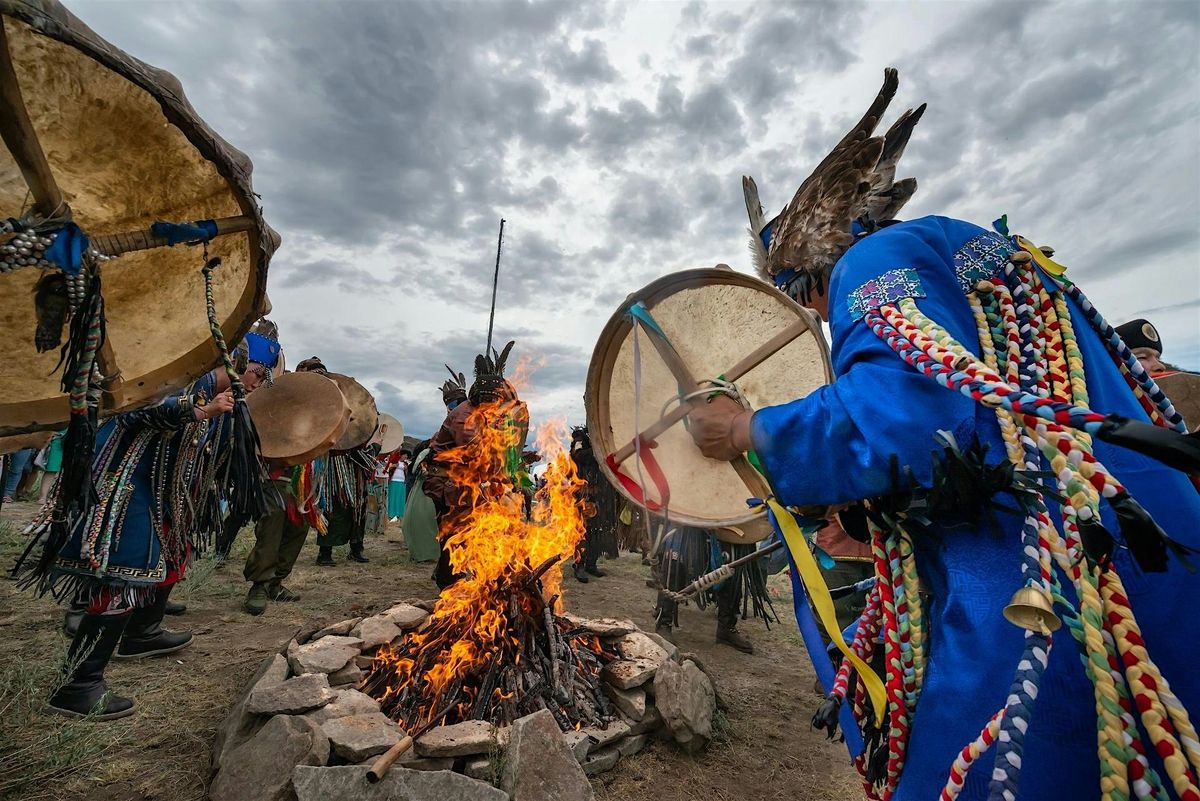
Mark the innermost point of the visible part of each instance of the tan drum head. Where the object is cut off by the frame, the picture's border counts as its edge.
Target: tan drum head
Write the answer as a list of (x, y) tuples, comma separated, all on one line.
[(719, 323), (1183, 390), (364, 417), (126, 149), (298, 418), (391, 433), (19, 442)]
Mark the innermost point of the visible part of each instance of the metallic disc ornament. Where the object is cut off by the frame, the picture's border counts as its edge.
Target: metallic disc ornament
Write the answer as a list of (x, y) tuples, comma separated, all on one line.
[(693, 327), (364, 417), (113, 146), (299, 418)]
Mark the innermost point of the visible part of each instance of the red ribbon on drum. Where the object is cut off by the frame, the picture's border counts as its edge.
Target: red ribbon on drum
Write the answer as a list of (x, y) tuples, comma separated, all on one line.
[(643, 451)]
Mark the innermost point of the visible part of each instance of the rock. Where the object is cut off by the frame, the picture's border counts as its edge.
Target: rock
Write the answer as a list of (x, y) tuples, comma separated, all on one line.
[(375, 631), (625, 674), (632, 745), (340, 629), (350, 674), (305, 633), (631, 702), (685, 697), (260, 769), (603, 626), (539, 765), (363, 662), (461, 739), (405, 616), (291, 697), (650, 722), (636, 645), (327, 655), (349, 783), (356, 737), (671, 648), (478, 768), (602, 737), (600, 761), (346, 702), (579, 743), (691, 657), (239, 724), (414, 762)]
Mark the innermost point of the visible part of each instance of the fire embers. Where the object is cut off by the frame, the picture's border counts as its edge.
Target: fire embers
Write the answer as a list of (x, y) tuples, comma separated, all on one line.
[(493, 648)]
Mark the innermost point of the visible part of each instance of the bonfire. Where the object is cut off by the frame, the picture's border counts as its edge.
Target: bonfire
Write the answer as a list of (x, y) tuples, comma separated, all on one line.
[(497, 646)]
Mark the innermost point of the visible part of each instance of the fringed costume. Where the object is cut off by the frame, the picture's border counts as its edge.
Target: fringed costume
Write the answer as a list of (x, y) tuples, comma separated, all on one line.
[(1000, 434), (602, 508)]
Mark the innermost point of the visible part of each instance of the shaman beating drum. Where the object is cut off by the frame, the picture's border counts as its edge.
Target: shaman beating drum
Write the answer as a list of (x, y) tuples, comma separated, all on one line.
[(672, 338), (1184, 391), (299, 418), (364, 417), (391, 434)]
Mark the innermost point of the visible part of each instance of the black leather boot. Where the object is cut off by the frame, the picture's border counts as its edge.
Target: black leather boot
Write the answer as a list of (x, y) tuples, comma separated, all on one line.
[(84, 692), (145, 636), (72, 616), (175, 609)]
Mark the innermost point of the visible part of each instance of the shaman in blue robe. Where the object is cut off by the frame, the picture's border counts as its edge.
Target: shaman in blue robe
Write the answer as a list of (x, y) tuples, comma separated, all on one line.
[(136, 456), (835, 446)]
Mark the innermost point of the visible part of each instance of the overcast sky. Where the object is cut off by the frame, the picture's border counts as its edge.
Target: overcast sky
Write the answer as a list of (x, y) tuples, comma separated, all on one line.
[(389, 138)]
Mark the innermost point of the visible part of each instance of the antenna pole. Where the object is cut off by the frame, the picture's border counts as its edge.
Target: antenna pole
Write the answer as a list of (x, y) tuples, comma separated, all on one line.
[(495, 282)]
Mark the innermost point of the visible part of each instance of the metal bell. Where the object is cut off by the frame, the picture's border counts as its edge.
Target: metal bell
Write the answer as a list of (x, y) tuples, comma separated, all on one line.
[(1032, 610)]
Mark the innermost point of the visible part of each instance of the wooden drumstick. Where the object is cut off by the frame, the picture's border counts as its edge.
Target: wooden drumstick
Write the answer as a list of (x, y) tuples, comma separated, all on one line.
[(388, 758)]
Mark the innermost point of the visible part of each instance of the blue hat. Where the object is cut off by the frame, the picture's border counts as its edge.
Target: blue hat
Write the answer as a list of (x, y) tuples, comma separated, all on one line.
[(263, 350)]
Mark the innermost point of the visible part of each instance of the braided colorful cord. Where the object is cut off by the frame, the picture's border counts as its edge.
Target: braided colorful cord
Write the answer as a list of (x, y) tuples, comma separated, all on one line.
[(1030, 371)]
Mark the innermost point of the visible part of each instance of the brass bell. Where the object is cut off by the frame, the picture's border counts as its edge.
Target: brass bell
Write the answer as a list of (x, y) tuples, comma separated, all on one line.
[(1032, 610)]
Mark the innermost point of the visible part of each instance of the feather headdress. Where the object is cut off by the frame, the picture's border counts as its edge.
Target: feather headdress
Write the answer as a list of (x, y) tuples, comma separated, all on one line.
[(455, 388), (855, 183), (489, 381)]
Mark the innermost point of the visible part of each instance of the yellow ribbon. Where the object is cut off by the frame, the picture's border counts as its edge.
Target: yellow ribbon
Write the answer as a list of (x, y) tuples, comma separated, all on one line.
[(1041, 259), (822, 601)]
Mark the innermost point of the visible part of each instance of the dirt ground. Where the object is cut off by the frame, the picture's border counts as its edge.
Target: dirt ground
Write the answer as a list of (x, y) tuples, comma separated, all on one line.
[(766, 749)]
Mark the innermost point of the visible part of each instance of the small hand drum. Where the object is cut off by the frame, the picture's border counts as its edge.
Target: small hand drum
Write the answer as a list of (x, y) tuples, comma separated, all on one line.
[(391, 434), (299, 418), (692, 327), (364, 417), (1183, 389)]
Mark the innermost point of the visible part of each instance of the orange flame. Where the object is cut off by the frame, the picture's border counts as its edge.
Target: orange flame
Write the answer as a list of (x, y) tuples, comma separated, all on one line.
[(491, 543)]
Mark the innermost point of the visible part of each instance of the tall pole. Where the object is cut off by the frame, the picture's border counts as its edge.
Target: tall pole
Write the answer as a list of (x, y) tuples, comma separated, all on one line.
[(495, 282)]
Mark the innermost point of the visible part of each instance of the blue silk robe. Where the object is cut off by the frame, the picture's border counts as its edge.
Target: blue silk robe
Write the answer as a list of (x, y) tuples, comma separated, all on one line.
[(834, 446)]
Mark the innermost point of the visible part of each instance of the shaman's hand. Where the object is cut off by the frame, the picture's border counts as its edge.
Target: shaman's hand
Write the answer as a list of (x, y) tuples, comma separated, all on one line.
[(720, 427), (216, 407)]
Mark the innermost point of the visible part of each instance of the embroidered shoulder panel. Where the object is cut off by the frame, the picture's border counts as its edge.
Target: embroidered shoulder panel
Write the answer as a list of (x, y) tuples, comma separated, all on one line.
[(981, 258), (889, 287)]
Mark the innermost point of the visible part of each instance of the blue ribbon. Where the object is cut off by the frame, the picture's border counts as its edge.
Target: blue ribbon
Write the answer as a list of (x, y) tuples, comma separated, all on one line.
[(642, 314), (1001, 225), (67, 249), (192, 233)]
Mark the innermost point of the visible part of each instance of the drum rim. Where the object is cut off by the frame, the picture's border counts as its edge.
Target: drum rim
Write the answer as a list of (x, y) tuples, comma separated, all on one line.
[(606, 350), (326, 443), (374, 426)]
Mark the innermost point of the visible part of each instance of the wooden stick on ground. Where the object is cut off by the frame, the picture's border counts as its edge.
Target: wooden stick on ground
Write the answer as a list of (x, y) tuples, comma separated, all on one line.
[(382, 765)]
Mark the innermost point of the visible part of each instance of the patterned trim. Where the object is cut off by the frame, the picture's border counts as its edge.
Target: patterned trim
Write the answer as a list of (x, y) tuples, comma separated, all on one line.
[(981, 258), (889, 287), (112, 573)]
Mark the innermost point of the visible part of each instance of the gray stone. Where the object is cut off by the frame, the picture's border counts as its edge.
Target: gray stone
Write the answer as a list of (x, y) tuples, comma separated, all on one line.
[(405, 616), (375, 631), (350, 674), (340, 629), (327, 655), (349, 783), (356, 737), (636, 645), (479, 768), (625, 674), (291, 697), (260, 769), (602, 760), (691, 657), (651, 721), (461, 739), (579, 743), (631, 702), (671, 648), (347, 702), (602, 626), (685, 697), (539, 765), (239, 725), (601, 737), (632, 745), (413, 762)]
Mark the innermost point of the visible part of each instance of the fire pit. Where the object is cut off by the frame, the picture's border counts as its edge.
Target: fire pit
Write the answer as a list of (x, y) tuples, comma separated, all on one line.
[(491, 691)]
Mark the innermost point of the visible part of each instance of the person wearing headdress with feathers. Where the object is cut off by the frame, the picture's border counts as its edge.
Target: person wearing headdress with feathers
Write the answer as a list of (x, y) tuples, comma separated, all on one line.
[(1057, 497), (602, 502)]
